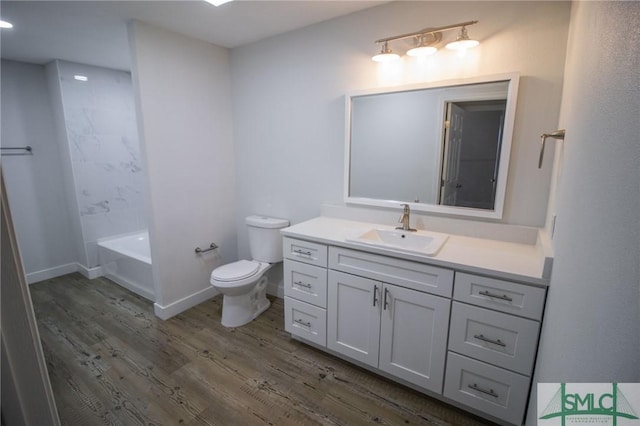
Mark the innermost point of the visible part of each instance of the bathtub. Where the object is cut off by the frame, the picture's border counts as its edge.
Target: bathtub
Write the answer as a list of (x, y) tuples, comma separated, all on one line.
[(127, 261)]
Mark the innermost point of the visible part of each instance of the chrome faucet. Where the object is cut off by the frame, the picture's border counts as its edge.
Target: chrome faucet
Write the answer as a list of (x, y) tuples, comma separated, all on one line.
[(405, 219)]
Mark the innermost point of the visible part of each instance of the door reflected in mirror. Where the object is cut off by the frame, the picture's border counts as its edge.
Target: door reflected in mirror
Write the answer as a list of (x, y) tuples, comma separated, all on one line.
[(472, 139), (443, 147)]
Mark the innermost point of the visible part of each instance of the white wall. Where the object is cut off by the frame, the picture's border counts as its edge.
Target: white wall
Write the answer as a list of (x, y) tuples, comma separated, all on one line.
[(289, 98), (591, 330), (35, 183), (183, 96)]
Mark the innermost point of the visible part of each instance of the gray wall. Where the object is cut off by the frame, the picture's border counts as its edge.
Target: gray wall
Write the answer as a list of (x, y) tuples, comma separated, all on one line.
[(35, 184), (288, 94), (591, 329)]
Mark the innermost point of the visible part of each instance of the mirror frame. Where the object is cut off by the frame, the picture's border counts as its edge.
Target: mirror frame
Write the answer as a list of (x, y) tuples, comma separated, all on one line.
[(505, 149)]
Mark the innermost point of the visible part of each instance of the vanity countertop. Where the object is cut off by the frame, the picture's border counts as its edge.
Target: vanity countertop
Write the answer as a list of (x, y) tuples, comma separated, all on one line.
[(507, 260)]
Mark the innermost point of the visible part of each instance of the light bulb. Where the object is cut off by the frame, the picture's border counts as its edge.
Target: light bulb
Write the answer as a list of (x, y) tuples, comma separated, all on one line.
[(422, 51), (463, 42), (385, 55)]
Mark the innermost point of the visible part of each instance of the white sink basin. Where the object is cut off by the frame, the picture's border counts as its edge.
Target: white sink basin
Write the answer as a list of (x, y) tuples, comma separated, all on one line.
[(420, 242)]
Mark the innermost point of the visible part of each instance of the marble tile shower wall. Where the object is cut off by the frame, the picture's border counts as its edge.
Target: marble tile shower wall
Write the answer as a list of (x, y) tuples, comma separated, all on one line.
[(103, 143)]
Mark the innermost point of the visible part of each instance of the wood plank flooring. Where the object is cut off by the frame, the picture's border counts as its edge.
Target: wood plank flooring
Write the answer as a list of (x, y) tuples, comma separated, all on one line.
[(112, 362)]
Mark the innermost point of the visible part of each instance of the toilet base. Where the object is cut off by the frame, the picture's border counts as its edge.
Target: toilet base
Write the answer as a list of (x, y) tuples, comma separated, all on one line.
[(240, 310)]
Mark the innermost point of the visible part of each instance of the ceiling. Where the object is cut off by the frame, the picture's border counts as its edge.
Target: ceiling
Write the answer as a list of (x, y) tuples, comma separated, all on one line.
[(94, 32)]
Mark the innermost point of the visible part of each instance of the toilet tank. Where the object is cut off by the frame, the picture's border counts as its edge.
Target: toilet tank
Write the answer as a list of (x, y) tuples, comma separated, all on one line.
[(265, 241)]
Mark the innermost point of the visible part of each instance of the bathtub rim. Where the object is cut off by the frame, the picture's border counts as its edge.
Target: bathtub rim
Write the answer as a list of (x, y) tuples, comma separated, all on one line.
[(104, 243)]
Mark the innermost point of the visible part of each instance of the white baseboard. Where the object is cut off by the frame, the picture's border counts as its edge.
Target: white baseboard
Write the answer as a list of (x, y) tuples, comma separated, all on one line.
[(47, 274), (90, 273), (179, 306), (131, 286)]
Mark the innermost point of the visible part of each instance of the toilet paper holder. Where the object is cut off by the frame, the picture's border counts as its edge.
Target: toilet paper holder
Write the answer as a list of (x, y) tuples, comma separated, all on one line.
[(212, 246)]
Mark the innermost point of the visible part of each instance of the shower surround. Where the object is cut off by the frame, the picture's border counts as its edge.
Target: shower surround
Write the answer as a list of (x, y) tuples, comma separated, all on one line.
[(101, 141)]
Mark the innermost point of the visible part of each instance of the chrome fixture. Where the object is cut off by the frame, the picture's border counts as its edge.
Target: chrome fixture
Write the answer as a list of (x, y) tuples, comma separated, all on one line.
[(16, 150), (463, 42), (405, 219), (385, 54), (425, 39), (558, 134), (424, 45), (212, 246)]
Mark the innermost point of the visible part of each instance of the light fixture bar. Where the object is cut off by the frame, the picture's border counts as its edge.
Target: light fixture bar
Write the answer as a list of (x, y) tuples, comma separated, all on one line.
[(426, 31)]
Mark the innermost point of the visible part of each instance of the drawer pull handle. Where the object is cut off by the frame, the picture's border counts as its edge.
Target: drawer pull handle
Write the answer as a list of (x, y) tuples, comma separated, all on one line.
[(489, 392), (375, 294), (496, 296), (385, 302), (301, 322), (493, 342), (302, 284), (302, 252)]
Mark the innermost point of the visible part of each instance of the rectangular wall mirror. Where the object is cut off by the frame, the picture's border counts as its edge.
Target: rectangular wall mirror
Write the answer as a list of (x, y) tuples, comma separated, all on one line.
[(441, 147)]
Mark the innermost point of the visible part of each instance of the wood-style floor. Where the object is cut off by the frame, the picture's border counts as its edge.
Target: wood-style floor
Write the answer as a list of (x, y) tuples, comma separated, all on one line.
[(112, 362)]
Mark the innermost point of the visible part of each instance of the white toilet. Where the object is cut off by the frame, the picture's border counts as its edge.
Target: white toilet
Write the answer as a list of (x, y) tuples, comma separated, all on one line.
[(243, 283)]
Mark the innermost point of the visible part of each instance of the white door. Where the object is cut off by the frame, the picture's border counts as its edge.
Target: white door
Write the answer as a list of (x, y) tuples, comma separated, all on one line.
[(451, 160), (353, 316), (413, 336)]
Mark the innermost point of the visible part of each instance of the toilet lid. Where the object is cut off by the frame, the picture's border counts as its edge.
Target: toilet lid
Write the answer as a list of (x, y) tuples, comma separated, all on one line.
[(235, 271)]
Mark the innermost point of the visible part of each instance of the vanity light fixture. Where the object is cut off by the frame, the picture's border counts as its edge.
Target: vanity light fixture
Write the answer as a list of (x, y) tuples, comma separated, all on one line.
[(385, 55), (424, 45), (425, 40), (5, 24), (463, 42)]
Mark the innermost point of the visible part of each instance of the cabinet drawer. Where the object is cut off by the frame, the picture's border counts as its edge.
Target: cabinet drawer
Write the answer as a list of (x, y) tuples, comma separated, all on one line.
[(404, 273), (500, 339), (505, 296), (305, 320), (305, 282), (305, 251), (490, 389)]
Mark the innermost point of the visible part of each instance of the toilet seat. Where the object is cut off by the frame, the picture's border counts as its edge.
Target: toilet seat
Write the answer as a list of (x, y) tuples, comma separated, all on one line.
[(235, 271)]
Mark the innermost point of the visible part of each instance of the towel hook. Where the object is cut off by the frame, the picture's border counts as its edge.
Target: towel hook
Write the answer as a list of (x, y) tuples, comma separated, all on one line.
[(558, 134)]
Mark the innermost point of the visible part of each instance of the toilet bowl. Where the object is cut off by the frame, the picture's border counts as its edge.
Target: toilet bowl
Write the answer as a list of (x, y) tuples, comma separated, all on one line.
[(243, 284), (244, 289)]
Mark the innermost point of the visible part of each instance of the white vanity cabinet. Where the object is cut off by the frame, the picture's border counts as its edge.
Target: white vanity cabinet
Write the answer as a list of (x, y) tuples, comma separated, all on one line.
[(468, 339), (398, 330), (305, 290), (493, 341)]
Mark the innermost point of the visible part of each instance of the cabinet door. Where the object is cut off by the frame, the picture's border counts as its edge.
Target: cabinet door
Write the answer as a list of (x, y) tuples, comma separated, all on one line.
[(413, 336), (353, 317)]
